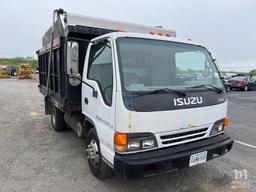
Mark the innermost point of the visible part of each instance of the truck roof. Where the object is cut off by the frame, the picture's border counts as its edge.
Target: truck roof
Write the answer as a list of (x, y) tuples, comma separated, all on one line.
[(101, 23), (93, 27), (115, 35)]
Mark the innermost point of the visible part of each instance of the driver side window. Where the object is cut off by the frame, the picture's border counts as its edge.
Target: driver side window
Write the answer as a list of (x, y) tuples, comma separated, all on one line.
[(100, 69)]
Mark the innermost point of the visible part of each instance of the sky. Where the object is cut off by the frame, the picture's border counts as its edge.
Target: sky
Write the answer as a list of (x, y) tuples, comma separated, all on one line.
[(227, 28)]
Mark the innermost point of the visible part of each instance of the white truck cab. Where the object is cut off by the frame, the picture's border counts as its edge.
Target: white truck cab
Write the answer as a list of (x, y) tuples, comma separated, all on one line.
[(149, 102)]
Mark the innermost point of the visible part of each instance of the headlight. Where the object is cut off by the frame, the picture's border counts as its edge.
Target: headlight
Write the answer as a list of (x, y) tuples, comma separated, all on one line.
[(133, 145), (148, 143), (134, 142), (219, 126)]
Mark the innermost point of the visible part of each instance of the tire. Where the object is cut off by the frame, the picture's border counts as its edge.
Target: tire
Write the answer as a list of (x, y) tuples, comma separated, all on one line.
[(80, 131), (57, 119), (246, 88), (228, 88), (97, 166)]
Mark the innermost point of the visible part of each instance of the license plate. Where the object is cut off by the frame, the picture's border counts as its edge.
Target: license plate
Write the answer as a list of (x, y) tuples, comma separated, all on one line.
[(198, 158)]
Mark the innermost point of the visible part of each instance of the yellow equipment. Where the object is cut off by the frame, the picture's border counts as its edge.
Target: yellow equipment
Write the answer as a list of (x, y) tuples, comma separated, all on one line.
[(24, 71), (3, 72)]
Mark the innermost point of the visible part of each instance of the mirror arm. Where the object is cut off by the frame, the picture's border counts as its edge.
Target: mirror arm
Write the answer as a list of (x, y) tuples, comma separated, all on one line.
[(94, 92)]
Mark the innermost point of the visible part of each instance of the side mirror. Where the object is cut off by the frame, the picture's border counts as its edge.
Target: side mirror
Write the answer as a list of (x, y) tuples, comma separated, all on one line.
[(73, 63)]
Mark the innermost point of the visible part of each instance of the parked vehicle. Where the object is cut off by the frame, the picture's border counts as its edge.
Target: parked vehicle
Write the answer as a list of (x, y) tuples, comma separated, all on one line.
[(226, 83), (227, 86), (12, 70), (131, 90), (244, 83)]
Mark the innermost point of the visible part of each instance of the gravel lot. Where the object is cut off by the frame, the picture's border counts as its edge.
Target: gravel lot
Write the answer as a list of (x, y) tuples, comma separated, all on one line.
[(35, 158)]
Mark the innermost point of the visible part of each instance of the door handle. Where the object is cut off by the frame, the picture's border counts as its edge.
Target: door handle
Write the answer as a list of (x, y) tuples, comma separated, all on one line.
[(86, 100)]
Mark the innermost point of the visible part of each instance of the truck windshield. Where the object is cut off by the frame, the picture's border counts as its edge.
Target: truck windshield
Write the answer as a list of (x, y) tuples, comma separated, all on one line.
[(147, 65)]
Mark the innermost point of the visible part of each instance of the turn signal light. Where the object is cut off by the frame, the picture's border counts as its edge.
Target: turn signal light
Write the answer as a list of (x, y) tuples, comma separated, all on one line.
[(226, 121), (120, 138), (120, 141)]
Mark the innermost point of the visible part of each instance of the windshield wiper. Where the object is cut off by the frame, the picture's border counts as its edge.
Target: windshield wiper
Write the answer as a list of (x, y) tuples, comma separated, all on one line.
[(209, 86), (164, 90)]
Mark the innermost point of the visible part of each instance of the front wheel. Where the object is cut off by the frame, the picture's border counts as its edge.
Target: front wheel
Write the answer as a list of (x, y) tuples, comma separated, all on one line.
[(98, 167)]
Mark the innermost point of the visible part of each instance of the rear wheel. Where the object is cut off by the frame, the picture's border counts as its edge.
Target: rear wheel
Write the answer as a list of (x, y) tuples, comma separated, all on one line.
[(98, 167), (57, 119), (80, 131)]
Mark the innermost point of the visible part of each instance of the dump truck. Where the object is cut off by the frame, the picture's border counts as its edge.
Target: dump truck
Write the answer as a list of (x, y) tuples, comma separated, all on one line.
[(144, 101)]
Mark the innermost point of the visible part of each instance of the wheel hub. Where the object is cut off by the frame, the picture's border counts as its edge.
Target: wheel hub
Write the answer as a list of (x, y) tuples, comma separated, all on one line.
[(79, 129), (53, 119), (93, 153)]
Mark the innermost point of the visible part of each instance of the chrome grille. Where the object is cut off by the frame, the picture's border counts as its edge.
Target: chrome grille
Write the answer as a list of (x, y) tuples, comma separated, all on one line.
[(183, 137)]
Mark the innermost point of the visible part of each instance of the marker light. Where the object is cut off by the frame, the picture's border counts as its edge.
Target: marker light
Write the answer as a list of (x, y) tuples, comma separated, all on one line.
[(119, 30)]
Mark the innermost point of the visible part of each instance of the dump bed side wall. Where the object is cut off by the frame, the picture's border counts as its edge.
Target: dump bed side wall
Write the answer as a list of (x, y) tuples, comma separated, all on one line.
[(61, 93), (57, 77), (65, 96)]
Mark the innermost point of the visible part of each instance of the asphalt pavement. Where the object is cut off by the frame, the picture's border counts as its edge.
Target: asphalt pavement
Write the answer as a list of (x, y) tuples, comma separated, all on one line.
[(35, 158)]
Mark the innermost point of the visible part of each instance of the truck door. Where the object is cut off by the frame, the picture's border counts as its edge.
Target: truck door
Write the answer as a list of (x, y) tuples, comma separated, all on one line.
[(100, 109)]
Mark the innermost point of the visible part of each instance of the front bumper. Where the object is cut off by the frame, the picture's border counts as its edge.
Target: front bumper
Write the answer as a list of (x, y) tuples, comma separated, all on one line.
[(159, 161)]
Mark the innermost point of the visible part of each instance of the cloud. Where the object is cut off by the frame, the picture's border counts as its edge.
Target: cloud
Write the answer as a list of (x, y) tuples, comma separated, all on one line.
[(226, 28), (243, 66)]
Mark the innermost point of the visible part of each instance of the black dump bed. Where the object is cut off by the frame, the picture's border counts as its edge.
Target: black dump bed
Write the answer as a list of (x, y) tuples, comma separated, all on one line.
[(65, 96)]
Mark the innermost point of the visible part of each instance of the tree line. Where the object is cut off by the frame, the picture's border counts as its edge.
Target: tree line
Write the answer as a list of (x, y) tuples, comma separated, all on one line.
[(18, 60), (32, 61), (252, 72)]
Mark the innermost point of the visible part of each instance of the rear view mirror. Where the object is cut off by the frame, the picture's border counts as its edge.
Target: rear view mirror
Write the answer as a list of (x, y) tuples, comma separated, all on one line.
[(73, 63)]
